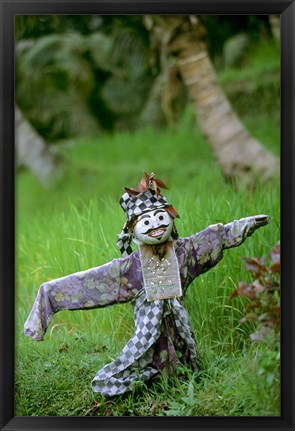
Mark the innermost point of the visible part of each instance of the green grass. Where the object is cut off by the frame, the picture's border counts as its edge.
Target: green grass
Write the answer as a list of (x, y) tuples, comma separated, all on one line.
[(73, 225)]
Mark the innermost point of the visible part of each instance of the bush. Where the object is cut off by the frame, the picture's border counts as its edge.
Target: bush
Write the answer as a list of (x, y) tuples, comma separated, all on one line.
[(264, 295)]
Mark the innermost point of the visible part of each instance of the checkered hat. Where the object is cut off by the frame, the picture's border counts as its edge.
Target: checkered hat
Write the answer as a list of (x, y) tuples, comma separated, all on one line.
[(135, 203), (149, 200)]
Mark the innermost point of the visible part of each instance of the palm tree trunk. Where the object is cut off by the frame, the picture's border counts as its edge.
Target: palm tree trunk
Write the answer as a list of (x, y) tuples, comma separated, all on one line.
[(238, 153), (32, 151)]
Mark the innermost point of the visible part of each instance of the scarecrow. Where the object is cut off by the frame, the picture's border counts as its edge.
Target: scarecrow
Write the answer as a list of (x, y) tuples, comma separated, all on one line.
[(154, 279)]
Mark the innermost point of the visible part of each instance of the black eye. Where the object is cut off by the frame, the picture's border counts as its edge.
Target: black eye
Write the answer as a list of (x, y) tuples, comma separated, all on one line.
[(161, 217), (146, 222)]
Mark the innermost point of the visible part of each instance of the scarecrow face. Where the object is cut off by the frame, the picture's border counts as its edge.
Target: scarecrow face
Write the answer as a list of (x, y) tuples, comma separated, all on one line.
[(153, 227)]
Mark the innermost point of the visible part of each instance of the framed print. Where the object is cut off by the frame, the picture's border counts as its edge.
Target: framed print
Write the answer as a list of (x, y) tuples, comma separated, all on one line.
[(181, 114)]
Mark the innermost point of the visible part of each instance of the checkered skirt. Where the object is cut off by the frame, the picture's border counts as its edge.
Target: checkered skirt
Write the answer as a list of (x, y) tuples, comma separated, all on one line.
[(133, 363)]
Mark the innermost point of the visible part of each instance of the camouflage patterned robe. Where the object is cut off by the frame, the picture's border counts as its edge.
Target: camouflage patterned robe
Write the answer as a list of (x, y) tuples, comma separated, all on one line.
[(163, 336)]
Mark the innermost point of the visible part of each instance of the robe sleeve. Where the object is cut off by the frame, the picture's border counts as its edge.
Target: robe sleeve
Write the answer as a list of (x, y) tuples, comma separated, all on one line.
[(202, 251), (234, 234), (97, 287)]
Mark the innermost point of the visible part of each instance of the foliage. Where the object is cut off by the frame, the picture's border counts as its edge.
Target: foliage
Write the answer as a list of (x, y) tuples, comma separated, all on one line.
[(263, 310), (37, 26), (104, 77), (52, 76), (221, 28), (82, 75), (126, 90), (264, 295)]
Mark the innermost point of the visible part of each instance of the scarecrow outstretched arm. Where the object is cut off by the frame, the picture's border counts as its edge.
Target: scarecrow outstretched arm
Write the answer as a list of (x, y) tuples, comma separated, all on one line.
[(233, 234), (204, 250), (94, 288)]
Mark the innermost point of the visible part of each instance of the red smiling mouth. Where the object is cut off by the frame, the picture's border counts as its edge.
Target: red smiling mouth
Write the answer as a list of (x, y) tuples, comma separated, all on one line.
[(156, 233)]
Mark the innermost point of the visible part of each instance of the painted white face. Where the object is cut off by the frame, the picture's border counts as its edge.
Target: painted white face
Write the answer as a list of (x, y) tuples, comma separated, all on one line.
[(153, 227)]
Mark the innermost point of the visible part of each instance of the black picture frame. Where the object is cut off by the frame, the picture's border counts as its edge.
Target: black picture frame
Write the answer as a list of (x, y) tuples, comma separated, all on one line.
[(9, 8)]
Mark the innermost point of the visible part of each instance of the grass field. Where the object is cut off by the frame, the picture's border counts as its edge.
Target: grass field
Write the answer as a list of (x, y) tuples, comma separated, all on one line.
[(73, 225)]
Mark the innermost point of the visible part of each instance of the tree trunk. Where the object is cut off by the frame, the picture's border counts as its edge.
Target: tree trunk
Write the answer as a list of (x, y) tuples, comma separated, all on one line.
[(32, 152), (275, 25), (238, 153)]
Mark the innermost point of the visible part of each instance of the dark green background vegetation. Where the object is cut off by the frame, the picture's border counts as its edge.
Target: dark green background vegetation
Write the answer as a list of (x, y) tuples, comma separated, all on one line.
[(106, 68)]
